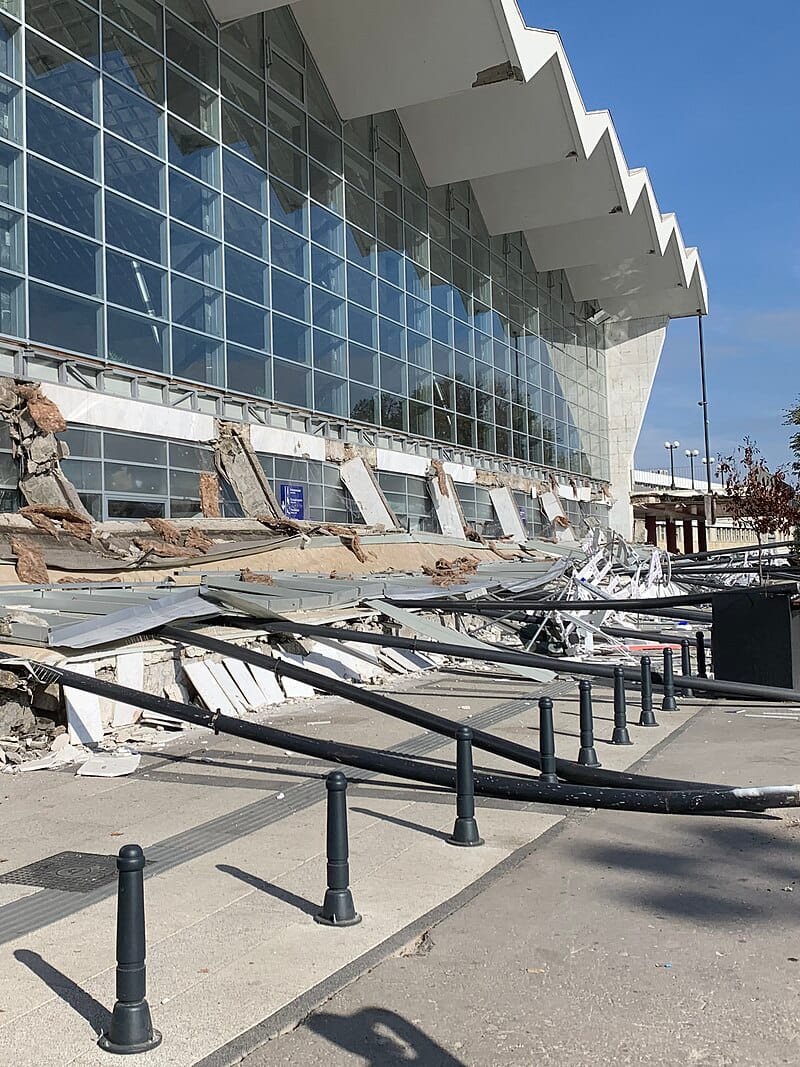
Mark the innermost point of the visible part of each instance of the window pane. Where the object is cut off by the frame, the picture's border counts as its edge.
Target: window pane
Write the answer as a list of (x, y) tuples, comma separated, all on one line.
[(247, 372), (60, 76), (244, 39), (62, 198), (65, 322), (330, 394), (290, 295), (193, 102), (286, 76), (132, 172), (135, 509), (132, 117), (191, 51), (135, 284), (245, 229), (67, 22), (131, 63), (12, 310), (245, 276), (196, 306), (132, 478), (289, 251), (360, 286), (243, 181), (291, 340), (194, 204), (292, 384), (58, 257), (329, 311), (195, 357), (190, 457), (136, 341), (10, 176), (246, 324), (288, 163), (193, 152), (327, 229), (134, 229), (60, 137), (195, 255), (241, 88), (243, 135), (327, 270), (288, 206), (144, 18)]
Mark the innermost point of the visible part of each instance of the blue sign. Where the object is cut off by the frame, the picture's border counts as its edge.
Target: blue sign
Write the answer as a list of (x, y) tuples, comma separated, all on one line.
[(293, 501)]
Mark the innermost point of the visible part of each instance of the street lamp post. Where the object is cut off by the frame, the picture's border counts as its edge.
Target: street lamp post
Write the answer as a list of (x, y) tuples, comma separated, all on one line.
[(671, 446), (691, 454)]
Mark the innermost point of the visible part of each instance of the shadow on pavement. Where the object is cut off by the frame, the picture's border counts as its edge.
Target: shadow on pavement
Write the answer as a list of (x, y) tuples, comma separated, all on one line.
[(284, 895), (380, 1037), (744, 870), (418, 827), (70, 992)]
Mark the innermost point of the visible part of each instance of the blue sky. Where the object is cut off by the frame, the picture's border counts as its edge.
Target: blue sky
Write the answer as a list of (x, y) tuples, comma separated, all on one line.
[(705, 95)]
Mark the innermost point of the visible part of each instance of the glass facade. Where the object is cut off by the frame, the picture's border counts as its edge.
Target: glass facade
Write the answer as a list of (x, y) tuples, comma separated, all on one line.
[(183, 199)]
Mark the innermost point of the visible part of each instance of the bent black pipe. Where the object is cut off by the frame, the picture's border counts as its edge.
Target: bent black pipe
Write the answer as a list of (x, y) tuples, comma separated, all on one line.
[(561, 664), (510, 610), (689, 801), (427, 720)]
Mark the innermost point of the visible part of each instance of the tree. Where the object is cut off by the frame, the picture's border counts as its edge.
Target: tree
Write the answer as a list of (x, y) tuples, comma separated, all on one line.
[(761, 500)]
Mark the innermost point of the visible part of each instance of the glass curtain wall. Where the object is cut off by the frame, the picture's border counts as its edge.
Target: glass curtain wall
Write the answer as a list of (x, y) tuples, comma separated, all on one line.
[(183, 199)]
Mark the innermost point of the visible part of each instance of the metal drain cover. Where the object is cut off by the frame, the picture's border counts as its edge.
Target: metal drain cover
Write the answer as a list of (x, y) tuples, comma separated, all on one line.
[(72, 872)]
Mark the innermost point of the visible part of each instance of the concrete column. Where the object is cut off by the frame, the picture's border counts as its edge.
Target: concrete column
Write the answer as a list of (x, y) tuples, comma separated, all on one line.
[(702, 536), (633, 349), (688, 540), (650, 528), (672, 536)]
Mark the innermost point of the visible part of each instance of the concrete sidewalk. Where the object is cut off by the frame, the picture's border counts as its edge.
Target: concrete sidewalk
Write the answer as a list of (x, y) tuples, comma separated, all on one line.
[(235, 836), (621, 939)]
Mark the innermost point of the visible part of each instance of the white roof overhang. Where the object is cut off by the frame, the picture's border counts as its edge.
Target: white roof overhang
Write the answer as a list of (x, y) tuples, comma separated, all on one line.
[(484, 98)]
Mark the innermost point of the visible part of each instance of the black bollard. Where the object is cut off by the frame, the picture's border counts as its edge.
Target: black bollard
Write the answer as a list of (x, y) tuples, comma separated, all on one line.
[(337, 908), (700, 643), (131, 1028), (465, 831), (686, 666), (547, 743), (668, 703), (647, 718), (587, 757), (620, 736)]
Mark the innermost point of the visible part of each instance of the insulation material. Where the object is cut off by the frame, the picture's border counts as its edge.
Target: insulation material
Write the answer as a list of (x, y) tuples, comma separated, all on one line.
[(268, 684), (208, 688), (30, 565), (364, 489), (238, 464), (245, 681), (445, 503), (130, 673), (84, 716), (209, 496), (166, 530), (507, 512)]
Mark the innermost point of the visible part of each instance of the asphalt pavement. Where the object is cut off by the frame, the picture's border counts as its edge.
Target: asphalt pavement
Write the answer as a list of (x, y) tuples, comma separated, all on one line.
[(617, 939)]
